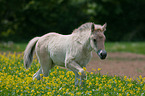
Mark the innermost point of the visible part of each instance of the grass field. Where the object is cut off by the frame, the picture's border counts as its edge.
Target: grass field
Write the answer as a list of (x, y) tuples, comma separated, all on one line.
[(17, 81)]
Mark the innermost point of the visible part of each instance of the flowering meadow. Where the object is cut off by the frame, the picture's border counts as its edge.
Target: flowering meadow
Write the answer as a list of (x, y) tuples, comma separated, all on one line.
[(16, 80)]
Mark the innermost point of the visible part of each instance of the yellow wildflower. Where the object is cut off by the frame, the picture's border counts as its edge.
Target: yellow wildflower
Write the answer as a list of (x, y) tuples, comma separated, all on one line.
[(32, 91), (84, 68), (79, 73), (99, 69), (41, 75), (92, 73)]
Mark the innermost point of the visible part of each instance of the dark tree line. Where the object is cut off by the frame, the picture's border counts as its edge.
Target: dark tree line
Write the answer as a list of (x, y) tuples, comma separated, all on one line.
[(21, 20)]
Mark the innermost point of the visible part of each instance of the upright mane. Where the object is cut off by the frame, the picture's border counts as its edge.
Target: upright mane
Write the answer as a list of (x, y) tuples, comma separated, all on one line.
[(83, 27)]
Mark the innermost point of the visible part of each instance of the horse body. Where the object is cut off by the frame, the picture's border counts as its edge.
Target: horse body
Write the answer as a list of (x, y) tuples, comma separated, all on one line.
[(55, 45), (71, 51), (61, 47)]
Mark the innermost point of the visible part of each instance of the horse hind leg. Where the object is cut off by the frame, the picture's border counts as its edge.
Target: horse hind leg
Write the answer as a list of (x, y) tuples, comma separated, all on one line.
[(37, 74), (46, 63)]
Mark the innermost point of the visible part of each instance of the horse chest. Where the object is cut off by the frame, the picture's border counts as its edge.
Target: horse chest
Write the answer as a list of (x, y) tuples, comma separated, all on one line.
[(83, 59)]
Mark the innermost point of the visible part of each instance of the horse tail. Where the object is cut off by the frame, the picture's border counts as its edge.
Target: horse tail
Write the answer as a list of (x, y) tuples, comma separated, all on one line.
[(29, 51)]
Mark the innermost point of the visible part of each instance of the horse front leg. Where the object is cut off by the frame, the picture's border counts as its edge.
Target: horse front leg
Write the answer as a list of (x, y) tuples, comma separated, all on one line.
[(78, 70), (76, 78)]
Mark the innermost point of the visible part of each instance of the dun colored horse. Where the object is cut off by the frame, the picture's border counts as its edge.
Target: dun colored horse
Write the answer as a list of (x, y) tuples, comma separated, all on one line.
[(71, 51)]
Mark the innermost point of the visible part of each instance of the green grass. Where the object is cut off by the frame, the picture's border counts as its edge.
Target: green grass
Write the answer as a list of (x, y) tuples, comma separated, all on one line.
[(133, 47), (16, 47)]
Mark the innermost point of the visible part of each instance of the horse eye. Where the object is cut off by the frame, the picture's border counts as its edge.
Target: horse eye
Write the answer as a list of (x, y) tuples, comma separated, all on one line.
[(94, 40)]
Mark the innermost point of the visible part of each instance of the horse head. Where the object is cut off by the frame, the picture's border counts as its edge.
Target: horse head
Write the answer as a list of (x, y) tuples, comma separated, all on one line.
[(98, 39)]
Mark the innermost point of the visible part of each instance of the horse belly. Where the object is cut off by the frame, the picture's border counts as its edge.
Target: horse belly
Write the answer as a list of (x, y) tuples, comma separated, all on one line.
[(57, 49), (57, 54), (58, 59)]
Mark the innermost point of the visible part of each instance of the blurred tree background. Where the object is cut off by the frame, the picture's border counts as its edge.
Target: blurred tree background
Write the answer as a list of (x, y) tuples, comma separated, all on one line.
[(21, 20)]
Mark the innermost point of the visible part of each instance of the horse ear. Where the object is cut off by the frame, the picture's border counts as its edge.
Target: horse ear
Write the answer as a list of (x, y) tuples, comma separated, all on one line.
[(92, 27), (104, 26)]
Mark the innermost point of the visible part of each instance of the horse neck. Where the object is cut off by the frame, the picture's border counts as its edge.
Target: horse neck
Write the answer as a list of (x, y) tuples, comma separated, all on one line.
[(83, 38)]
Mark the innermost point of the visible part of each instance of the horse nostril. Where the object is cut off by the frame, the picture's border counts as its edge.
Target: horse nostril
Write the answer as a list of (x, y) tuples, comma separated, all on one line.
[(103, 54)]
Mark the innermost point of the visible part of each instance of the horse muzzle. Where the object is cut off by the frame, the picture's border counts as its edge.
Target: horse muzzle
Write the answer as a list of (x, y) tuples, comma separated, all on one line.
[(102, 54)]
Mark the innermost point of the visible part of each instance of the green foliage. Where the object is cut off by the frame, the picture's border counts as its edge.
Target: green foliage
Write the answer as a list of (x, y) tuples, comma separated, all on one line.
[(25, 19)]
